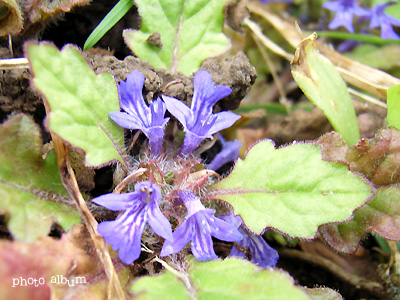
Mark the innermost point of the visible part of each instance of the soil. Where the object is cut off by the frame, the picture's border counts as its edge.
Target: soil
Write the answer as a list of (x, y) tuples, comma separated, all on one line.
[(16, 95)]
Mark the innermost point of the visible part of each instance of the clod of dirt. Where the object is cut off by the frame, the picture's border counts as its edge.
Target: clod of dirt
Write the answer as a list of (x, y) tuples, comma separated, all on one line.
[(16, 95), (235, 72)]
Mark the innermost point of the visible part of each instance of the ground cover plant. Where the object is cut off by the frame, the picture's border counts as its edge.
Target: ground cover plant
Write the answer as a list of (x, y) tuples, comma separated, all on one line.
[(242, 150)]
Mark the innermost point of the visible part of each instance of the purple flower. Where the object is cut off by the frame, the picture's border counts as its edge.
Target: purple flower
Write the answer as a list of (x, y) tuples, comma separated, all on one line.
[(141, 207), (261, 253), (198, 121), (149, 119), (199, 226), (230, 152), (380, 19), (345, 9)]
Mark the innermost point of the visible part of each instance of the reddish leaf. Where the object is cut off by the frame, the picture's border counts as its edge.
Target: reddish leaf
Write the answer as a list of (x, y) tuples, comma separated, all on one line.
[(334, 148), (378, 159), (381, 215), (49, 260)]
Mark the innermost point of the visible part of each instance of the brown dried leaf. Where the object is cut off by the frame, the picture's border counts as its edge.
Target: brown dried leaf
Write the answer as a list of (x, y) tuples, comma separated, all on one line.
[(10, 17), (40, 10)]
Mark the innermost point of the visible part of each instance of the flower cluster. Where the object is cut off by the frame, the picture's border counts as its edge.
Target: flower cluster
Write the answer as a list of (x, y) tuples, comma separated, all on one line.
[(346, 9), (195, 223), (198, 121)]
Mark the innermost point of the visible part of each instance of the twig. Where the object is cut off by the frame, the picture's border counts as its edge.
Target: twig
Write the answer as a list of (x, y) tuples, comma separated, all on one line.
[(178, 274), (206, 172), (135, 137), (69, 180), (171, 83), (145, 249), (128, 179), (255, 28), (10, 46), (14, 63), (367, 98)]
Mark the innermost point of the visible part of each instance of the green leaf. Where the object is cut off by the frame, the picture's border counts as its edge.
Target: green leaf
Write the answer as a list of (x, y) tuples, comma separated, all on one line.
[(117, 12), (323, 86), (393, 103), (229, 279), (178, 34), (30, 187), (10, 17), (240, 279), (79, 101), (291, 189), (163, 286)]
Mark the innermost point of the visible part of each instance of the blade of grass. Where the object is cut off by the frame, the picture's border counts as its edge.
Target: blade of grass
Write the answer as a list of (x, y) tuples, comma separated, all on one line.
[(366, 38), (117, 12)]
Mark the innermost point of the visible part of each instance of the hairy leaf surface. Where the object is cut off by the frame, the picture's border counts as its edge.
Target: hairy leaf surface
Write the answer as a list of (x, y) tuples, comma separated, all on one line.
[(79, 100), (229, 279), (291, 189)]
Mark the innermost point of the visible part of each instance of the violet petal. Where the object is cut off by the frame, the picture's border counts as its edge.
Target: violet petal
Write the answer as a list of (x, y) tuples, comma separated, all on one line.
[(116, 202)]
